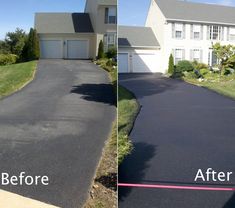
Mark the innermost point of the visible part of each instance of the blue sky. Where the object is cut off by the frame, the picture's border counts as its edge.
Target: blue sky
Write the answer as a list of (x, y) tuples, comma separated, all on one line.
[(20, 14), (16, 13), (135, 16)]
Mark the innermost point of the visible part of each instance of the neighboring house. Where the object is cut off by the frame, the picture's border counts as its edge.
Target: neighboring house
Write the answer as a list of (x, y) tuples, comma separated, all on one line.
[(138, 50), (77, 35), (188, 30)]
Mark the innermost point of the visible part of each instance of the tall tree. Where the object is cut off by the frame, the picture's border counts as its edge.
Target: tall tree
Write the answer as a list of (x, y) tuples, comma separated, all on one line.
[(32, 45), (16, 41)]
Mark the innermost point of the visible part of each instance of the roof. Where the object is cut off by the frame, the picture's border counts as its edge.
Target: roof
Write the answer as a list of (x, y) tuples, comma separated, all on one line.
[(138, 37), (63, 23), (197, 12)]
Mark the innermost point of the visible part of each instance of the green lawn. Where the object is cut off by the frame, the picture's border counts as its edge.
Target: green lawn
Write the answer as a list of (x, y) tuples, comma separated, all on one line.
[(128, 109), (14, 77), (224, 85)]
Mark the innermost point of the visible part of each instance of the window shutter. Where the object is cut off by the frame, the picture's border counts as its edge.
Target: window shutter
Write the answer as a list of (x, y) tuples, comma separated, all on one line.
[(106, 15), (191, 54), (201, 32), (228, 32), (222, 33), (191, 31), (183, 54), (208, 32), (201, 54), (173, 30), (184, 31)]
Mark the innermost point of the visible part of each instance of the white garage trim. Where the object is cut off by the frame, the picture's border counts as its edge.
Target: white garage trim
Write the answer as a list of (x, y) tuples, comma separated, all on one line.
[(123, 64), (51, 49), (77, 51)]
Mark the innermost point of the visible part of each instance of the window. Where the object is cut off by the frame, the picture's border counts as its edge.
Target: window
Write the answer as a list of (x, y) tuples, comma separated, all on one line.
[(110, 15), (232, 34), (196, 55), (110, 40), (215, 32), (196, 32), (179, 31), (178, 55)]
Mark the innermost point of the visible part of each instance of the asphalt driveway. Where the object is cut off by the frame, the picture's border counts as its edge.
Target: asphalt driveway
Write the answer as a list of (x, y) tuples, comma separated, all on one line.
[(57, 126), (181, 128)]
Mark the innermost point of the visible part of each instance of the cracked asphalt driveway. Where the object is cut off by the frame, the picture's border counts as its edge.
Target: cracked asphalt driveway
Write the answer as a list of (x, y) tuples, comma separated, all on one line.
[(57, 126)]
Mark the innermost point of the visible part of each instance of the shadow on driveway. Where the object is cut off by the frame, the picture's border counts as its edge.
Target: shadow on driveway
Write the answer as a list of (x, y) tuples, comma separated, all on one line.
[(130, 172), (95, 92)]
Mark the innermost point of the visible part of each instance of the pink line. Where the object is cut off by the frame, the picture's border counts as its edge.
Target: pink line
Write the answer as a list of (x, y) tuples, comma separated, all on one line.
[(201, 188)]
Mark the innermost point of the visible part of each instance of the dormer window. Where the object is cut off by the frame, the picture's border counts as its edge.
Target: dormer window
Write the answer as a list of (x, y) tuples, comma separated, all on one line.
[(110, 15)]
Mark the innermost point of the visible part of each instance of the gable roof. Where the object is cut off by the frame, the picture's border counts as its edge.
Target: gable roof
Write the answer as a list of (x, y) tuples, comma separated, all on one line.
[(197, 12), (138, 37), (63, 23)]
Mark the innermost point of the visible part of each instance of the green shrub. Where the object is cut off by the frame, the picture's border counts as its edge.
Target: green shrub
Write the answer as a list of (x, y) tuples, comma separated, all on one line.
[(111, 53), (190, 75), (31, 49), (101, 50), (199, 66), (204, 71), (171, 66), (183, 66), (7, 59)]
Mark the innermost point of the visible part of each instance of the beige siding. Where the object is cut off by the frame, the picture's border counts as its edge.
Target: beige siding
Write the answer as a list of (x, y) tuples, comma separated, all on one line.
[(65, 37)]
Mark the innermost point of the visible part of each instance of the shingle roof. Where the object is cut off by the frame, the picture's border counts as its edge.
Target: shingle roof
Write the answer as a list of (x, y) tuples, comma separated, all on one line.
[(63, 23), (198, 12), (130, 36)]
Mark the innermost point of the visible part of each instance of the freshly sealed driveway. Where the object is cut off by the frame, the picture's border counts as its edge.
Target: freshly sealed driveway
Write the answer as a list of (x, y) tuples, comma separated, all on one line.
[(180, 129), (57, 126)]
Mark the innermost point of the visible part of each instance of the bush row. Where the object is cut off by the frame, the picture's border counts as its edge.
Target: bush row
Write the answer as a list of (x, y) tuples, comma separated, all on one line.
[(7, 59)]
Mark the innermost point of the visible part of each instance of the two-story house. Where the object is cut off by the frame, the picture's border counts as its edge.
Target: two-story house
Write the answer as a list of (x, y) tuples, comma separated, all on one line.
[(77, 35), (188, 30)]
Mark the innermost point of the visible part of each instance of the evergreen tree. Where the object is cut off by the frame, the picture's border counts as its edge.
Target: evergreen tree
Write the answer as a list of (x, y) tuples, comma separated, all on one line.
[(171, 65), (101, 50)]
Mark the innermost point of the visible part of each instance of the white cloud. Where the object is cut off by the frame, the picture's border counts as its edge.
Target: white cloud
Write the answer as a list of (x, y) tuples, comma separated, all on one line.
[(226, 2)]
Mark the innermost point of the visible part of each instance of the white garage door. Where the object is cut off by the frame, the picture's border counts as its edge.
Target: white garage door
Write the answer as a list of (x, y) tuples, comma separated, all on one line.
[(123, 63), (145, 62), (51, 49), (77, 49)]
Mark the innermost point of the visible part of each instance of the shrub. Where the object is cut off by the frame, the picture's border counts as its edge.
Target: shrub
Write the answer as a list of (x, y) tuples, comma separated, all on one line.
[(7, 59), (204, 71), (101, 50), (171, 65), (183, 66), (191, 75), (31, 49), (111, 53), (199, 66)]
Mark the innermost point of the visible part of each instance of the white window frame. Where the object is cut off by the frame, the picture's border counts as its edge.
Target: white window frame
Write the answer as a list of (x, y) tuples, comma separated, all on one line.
[(194, 51), (110, 40), (111, 15), (196, 30), (215, 32), (231, 34), (177, 59), (179, 29)]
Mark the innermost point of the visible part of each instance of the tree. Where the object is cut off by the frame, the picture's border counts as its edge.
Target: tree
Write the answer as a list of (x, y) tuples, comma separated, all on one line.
[(31, 50), (225, 55), (16, 41), (101, 50), (4, 47), (171, 65)]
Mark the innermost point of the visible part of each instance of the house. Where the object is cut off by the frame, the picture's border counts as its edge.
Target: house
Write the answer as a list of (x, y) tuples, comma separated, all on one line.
[(77, 35), (188, 30), (138, 50)]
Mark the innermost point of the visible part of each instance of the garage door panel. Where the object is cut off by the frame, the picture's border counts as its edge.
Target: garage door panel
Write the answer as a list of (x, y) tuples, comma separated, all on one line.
[(51, 49), (145, 62), (77, 49), (123, 63)]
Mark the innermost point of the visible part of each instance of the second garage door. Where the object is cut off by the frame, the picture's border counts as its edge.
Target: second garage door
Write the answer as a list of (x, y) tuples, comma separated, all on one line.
[(51, 49), (145, 62), (77, 49)]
